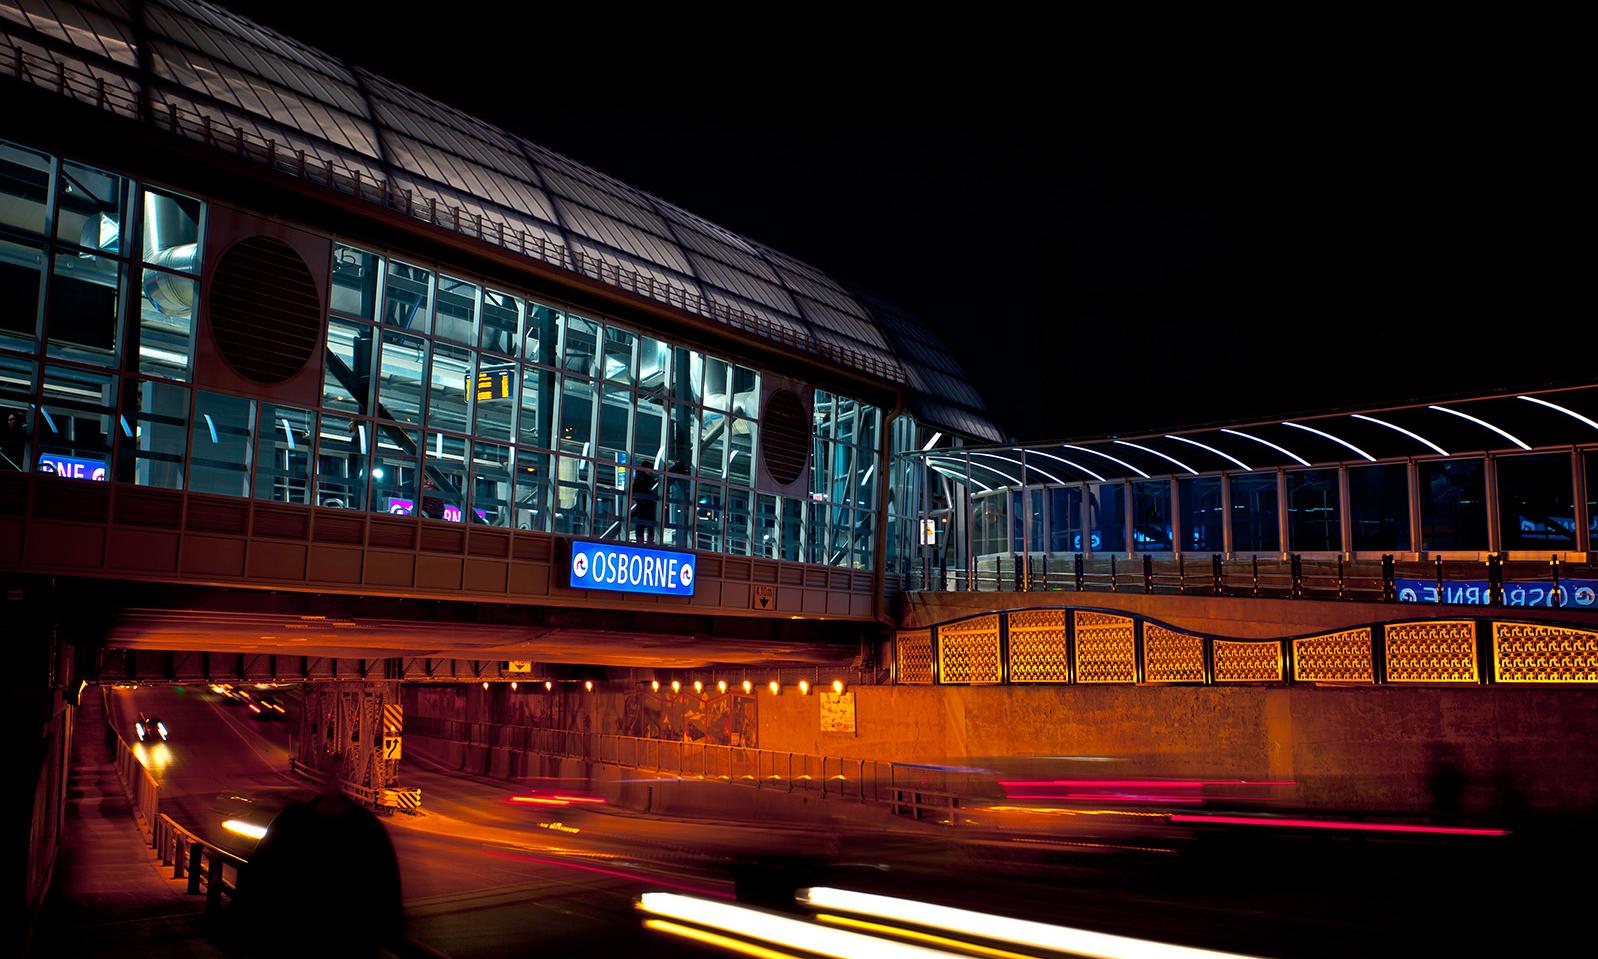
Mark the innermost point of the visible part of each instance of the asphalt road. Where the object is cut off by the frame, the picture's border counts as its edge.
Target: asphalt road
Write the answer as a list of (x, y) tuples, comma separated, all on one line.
[(486, 875)]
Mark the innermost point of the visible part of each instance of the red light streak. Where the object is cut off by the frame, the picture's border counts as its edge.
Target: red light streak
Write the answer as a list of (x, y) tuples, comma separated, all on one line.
[(1332, 824), (1101, 797), (1141, 783)]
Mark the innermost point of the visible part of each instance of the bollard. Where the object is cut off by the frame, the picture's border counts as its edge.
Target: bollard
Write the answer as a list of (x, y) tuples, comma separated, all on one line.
[(1081, 574), (1389, 585), (213, 884), (1148, 573), (1256, 567), (1438, 566), (1115, 585), (195, 851), (1181, 573), (1495, 579), (1556, 595), (1296, 568), (1340, 580), (1217, 575)]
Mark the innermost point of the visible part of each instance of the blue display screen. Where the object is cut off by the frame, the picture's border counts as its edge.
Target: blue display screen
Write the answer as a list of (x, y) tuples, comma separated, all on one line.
[(630, 569), (1576, 592)]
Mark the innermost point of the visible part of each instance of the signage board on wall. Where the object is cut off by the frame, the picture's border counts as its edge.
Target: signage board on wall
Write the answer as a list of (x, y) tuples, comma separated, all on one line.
[(74, 467), (631, 569), (1577, 593), (837, 712)]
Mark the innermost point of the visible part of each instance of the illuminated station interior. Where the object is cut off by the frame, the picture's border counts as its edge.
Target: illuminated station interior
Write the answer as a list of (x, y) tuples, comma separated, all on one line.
[(640, 581)]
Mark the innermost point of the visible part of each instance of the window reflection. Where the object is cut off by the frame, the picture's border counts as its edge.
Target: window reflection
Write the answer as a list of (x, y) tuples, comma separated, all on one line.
[(400, 377), (21, 279), (1378, 506), (220, 444), (407, 297), (283, 454), (75, 420), (1536, 505), (396, 464), (1313, 520), (1200, 498), (1453, 505), (1254, 516), (151, 433), (341, 457), (355, 275), (91, 208), (1151, 516), (84, 320), (532, 490)]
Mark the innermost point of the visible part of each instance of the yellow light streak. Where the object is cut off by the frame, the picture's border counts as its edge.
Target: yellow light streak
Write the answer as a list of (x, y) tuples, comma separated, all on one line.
[(921, 937), (781, 930), (713, 939)]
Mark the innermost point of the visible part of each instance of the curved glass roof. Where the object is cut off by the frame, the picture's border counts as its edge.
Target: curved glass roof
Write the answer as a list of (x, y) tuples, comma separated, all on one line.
[(201, 71)]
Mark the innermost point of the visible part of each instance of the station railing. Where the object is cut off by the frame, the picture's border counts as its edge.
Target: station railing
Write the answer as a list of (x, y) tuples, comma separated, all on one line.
[(1495, 581), (928, 792)]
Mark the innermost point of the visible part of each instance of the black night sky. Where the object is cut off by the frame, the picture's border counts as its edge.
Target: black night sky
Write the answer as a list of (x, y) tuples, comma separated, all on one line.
[(1111, 232)]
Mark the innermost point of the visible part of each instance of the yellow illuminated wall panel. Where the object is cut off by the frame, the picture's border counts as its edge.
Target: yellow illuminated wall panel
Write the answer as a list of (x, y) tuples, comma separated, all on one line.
[(1442, 651), (1171, 657), (1104, 648), (913, 647), (1243, 662), (1342, 657), (1533, 653), (1037, 647), (968, 651)]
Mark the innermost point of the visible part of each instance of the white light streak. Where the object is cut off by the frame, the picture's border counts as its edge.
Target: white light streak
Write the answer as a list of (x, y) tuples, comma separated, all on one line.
[(244, 828), (1555, 406), (961, 477), (932, 442), (1084, 449), (1284, 452), (1162, 456), (768, 927), (1024, 466), (1394, 426), (1202, 446), (1334, 439), (1481, 422), (1068, 463), (1020, 931)]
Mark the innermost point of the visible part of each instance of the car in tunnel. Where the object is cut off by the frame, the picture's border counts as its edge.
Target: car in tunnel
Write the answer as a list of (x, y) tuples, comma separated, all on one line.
[(150, 728)]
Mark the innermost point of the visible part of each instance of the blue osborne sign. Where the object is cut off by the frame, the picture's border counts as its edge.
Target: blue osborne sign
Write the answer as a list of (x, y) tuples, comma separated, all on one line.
[(630, 569), (1578, 593)]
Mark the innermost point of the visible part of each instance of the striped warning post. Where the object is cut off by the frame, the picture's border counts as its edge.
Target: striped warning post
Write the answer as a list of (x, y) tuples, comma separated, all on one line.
[(393, 718), (403, 799)]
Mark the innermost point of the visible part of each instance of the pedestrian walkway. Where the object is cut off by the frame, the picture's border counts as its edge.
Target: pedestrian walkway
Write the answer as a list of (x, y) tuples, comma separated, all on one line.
[(110, 895)]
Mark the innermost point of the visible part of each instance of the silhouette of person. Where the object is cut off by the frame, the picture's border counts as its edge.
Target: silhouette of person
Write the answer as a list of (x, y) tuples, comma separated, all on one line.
[(325, 864), (646, 494)]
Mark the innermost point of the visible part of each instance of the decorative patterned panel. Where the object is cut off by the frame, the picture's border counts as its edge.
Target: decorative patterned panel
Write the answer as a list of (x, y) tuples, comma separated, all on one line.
[(1242, 662), (1531, 653), (1171, 657), (968, 651), (1443, 651), (1104, 649), (1038, 651), (1342, 657), (914, 651)]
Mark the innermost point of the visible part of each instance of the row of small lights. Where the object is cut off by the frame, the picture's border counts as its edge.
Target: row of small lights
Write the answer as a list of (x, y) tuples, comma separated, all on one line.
[(774, 687)]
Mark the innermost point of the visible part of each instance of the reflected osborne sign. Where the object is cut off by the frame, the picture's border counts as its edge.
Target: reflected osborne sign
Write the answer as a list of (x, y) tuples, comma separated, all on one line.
[(631, 569), (1578, 593)]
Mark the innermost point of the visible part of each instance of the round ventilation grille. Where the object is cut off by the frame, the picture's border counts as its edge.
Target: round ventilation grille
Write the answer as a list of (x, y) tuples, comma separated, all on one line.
[(264, 310), (784, 437)]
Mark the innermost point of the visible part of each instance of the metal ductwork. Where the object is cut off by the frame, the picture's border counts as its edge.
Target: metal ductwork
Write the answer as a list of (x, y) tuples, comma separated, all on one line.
[(170, 243)]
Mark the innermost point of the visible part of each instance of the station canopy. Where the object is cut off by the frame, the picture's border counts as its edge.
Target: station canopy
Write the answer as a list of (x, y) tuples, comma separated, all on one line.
[(182, 64), (1503, 424)]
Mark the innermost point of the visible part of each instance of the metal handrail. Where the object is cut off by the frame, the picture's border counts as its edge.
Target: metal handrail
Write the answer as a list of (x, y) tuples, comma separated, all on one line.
[(46, 72), (201, 862)]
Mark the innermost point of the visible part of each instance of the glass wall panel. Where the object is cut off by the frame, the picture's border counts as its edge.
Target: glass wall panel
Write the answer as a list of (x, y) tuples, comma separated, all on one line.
[(579, 345), (1453, 504), (455, 311), (21, 279), (24, 188), (172, 231), (574, 495), (989, 524), (1254, 518), (653, 356), (84, 320), (1590, 480), (76, 422), (543, 323), (166, 323), (1023, 539), (718, 382), (768, 533), (283, 451), (610, 500), (221, 444), (687, 375), (494, 417), (91, 208), (347, 380), (1151, 516), (869, 420), (708, 517), (1200, 502), (615, 416), (448, 403), (681, 433), (408, 297), (502, 322), (815, 532), (444, 478), (865, 526), (712, 444), (1065, 519), (842, 536), (1314, 522), (576, 415), (538, 405), (739, 514), (396, 464), (793, 529), (677, 527), (341, 457), (745, 391), (355, 274), (152, 434), (1536, 502), (645, 506), (18, 377), (620, 359), (532, 490), (741, 457), (491, 484), (1378, 506), (401, 377), (649, 433)]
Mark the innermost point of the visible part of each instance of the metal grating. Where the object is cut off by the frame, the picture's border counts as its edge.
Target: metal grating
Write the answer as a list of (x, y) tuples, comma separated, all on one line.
[(264, 309), (1341, 657), (784, 436), (1105, 651), (1441, 651), (1531, 653), (968, 651), (1246, 662), (1038, 651), (913, 649), (1171, 657)]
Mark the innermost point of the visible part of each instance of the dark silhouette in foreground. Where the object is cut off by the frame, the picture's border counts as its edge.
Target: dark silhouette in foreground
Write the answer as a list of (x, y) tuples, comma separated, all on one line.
[(323, 881)]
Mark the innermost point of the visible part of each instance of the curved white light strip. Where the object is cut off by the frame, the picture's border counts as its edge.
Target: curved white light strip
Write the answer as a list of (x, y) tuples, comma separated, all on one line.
[(1394, 426), (1284, 452), (1162, 456), (1024, 466), (1107, 456), (1555, 406), (955, 475), (1340, 442), (1024, 932), (1183, 439), (1481, 422), (1068, 463), (781, 930)]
